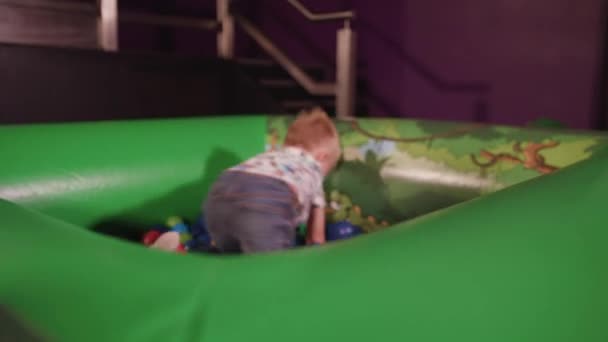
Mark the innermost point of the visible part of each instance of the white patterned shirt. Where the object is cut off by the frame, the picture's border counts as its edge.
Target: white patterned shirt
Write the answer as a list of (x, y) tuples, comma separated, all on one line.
[(295, 167)]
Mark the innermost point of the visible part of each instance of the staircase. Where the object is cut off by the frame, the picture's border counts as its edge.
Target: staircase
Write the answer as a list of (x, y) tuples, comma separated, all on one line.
[(288, 94), (95, 24)]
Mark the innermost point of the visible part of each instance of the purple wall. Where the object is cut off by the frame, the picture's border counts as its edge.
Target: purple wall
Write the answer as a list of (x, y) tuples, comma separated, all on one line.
[(432, 58), (540, 57)]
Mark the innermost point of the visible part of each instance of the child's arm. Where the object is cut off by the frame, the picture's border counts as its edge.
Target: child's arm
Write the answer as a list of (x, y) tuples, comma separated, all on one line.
[(315, 232)]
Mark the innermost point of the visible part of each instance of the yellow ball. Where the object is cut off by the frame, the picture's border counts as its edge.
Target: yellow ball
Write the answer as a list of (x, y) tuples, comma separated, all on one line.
[(173, 221)]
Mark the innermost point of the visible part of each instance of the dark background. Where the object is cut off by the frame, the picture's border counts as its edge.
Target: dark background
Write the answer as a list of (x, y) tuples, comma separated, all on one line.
[(497, 61)]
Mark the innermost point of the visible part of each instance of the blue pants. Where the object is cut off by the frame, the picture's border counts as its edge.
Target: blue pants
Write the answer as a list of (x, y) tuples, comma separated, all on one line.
[(247, 213)]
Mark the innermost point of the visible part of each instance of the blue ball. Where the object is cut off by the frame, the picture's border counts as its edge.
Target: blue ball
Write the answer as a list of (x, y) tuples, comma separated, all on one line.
[(180, 228), (200, 233), (341, 230), (198, 227), (190, 244)]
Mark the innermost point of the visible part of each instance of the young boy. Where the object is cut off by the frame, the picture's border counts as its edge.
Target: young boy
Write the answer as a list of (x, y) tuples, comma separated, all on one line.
[(257, 205)]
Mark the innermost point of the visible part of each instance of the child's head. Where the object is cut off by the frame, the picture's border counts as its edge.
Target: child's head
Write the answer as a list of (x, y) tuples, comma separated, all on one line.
[(314, 132)]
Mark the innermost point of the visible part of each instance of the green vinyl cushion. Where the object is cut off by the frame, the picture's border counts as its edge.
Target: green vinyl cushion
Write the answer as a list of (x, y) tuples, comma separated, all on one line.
[(526, 263)]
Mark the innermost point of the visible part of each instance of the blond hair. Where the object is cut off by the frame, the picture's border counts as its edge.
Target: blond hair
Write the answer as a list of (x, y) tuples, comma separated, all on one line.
[(313, 130)]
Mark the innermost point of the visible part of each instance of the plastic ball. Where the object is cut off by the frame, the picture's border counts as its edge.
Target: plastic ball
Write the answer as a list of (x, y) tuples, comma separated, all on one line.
[(174, 220), (185, 237), (168, 242), (150, 237), (301, 230), (181, 249), (341, 230), (199, 227), (199, 232), (180, 228), (190, 244)]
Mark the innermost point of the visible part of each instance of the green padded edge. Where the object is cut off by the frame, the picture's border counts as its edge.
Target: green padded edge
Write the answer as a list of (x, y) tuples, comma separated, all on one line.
[(85, 173), (523, 264)]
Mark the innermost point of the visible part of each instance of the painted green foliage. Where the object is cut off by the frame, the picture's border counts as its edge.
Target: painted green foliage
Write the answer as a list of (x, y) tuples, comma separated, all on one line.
[(396, 169), (361, 183)]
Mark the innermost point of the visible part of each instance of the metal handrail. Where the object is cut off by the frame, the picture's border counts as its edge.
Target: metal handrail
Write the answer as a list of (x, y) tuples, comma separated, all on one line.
[(342, 15), (312, 86), (108, 19), (344, 87)]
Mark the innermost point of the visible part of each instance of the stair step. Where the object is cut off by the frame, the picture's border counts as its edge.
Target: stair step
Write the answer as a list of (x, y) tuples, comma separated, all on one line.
[(282, 89), (288, 93), (288, 88), (278, 83), (254, 61), (267, 69), (268, 62)]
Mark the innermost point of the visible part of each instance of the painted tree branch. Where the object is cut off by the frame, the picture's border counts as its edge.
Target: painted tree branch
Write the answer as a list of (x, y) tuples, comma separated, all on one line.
[(494, 158), (532, 159)]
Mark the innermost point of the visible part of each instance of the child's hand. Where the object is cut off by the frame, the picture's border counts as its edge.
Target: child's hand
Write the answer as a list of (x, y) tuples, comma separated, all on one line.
[(315, 234)]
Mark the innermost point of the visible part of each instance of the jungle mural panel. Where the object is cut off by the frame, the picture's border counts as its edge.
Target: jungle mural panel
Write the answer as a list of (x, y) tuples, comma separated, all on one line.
[(392, 170)]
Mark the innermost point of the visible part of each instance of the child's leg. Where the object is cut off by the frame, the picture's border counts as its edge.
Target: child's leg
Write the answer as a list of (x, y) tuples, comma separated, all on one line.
[(249, 213), (219, 216), (248, 229), (264, 231)]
